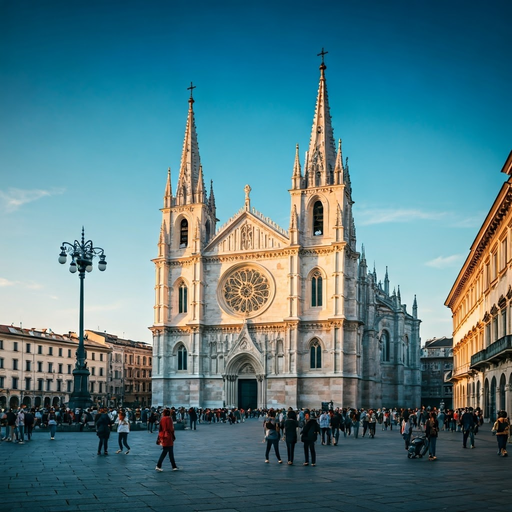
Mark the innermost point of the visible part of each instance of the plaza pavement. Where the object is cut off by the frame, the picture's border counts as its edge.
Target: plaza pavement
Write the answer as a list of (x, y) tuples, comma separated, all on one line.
[(222, 468)]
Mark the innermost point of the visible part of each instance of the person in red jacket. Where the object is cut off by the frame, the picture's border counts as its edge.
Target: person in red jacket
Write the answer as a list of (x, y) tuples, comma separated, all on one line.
[(166, 440)]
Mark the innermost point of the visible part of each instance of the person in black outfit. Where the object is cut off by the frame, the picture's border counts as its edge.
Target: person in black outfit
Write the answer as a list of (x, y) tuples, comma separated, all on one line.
[(309, 436), (290, 434), (103, 423)]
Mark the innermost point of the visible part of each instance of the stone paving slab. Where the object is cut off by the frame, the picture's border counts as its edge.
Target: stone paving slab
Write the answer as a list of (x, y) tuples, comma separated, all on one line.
[(222, 468)]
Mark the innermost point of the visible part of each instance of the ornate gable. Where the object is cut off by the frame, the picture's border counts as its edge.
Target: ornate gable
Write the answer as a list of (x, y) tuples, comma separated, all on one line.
[(245, 345), (248, 231)]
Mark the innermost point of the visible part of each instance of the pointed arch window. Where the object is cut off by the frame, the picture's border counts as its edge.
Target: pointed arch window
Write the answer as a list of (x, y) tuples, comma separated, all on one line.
[(182, 298), (318, 219), (183, 233), (182, 358), (386, 348), (315, 355), (316, 289), (207, 230)]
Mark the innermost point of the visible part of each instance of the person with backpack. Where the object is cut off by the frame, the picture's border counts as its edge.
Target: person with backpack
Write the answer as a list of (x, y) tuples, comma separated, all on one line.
[(502, 430), (272, 436), (309, 436)]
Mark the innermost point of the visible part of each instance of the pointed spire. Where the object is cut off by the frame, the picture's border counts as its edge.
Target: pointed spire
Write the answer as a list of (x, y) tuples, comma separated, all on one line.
[(211, 200), (399, 295), (190, 160), (386, 282), (339, 216), (338, 168), (363, 256), (294, 218), (415, 308), (200, 194), (168, 190), (297, 173), (322, 155)]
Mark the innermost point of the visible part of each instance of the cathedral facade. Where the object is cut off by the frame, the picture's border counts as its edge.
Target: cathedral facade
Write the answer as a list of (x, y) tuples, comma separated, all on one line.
[(253, 315)]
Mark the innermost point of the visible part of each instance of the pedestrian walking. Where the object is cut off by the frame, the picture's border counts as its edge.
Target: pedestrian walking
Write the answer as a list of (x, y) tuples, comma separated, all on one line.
[(123, 429), (103, 423), (20, 425), (431, 432), (467, 422), (166, 440), (271, 427), (406, 429), (325, 427), (290, 434), (52, 423), (355, 419), (192, 415), (29, 423), (502, 429), (309, 436)]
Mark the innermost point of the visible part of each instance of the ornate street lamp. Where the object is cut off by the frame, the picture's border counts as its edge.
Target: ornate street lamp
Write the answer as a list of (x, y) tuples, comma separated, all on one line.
[(82, 254)]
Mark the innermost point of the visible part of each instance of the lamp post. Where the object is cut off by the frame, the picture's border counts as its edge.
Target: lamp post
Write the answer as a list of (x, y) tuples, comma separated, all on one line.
[(82, 254)]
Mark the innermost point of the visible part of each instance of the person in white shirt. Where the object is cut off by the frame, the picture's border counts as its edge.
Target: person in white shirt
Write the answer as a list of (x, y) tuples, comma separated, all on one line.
[(123, 429)]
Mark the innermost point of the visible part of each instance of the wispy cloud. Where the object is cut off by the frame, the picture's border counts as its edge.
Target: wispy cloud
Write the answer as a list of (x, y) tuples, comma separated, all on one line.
[(371, 216), (388, 215), (30, 285), (15, 198), (446, 261)]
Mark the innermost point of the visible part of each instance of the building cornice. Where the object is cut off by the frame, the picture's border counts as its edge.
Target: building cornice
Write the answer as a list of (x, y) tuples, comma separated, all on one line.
[(497, 213)]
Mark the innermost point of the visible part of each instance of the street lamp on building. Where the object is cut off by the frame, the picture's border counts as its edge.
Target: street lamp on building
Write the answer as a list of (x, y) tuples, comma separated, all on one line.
[(82, 253)]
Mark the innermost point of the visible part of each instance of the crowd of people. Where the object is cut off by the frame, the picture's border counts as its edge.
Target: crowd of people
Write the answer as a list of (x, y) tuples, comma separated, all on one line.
[(288, 425)]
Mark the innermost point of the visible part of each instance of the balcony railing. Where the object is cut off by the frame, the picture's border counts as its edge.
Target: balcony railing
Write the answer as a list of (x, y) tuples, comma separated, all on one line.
[(494, 353)]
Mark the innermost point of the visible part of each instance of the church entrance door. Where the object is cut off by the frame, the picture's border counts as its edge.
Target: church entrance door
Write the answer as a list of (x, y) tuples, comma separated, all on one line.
[(247, 394)]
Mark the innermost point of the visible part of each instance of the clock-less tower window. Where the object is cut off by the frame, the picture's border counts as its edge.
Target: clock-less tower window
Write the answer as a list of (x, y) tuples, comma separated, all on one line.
[(318, 219), (183, 233)]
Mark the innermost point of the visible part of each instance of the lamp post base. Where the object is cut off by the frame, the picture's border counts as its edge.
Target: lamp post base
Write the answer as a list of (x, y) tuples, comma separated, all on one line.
[(80, 398)]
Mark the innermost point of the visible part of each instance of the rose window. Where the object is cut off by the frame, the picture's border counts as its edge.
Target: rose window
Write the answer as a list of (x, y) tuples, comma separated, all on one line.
[(246, 291)]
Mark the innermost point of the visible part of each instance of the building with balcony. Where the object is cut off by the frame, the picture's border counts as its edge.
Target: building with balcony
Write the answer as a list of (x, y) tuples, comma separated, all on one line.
[(481, 305), (436, 370), (36, 367)]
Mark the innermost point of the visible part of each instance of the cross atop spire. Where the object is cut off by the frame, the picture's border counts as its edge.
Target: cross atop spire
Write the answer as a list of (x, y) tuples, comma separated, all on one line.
[(323, 67), (322, 53), (191, 89)]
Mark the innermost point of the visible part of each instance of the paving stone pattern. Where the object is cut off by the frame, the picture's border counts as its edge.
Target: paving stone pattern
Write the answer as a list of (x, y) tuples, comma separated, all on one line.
[(222, 468)]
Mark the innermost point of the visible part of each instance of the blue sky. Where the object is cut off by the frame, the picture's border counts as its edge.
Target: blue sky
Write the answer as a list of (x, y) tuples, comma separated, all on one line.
[(93, 105)]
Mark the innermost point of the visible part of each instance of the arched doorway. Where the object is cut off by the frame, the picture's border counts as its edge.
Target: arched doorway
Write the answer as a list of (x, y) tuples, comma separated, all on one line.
[(14, 402), (492, 400), (503, 396), (243, 382), (27, 401), (487, 399)]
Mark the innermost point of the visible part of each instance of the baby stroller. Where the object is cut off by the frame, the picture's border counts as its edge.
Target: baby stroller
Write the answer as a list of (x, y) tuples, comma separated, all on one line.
[(418, 447)]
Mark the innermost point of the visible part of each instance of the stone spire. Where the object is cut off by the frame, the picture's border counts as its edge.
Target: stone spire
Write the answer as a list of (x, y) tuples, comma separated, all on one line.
[(338, 168), (386, 282), (168, 190), (415, 308), (321, 154), (211, 201), (297, 174), (188, 181)]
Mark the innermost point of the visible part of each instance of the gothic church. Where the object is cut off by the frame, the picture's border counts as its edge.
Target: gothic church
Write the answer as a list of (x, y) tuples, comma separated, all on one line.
[(253, 315)]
